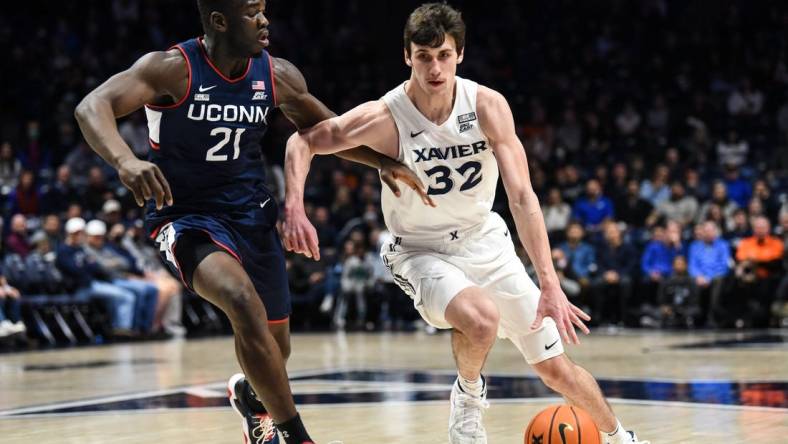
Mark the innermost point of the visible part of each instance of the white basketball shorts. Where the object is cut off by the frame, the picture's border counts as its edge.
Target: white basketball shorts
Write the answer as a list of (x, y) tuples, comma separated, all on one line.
[(433, 272)]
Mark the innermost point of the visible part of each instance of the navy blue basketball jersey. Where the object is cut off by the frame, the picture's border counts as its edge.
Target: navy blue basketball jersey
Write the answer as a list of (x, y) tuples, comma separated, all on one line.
[(208, 144)]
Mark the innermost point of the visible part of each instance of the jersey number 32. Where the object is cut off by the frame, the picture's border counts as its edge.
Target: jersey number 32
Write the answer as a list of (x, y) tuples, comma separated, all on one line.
[(470, 171)]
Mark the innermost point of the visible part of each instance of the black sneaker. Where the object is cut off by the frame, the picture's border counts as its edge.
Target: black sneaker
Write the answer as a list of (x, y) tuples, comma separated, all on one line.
[(258, 428)]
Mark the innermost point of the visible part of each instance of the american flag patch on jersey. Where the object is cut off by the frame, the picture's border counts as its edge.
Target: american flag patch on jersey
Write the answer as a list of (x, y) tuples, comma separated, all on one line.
[(258, 85)]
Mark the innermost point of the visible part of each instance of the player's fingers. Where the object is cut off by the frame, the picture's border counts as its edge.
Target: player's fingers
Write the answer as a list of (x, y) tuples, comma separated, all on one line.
[(312, 243), (286, 239), (391, 182), (579, 323), (137, 195), (164, 185), (580, 313), (156, 189), (571, 330), (145, 189), (302, 245), (538, 321)]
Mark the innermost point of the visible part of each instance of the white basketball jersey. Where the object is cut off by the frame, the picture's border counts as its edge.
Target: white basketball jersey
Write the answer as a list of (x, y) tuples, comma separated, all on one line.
[(454, 160)]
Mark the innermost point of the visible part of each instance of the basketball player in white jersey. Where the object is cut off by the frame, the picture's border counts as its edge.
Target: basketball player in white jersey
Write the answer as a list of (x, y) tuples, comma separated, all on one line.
[(457, 260)]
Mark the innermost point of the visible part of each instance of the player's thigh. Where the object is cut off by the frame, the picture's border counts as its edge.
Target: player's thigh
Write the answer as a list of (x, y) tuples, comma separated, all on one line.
[(221, 279), (430, 280), (473, 313), (517, 298)]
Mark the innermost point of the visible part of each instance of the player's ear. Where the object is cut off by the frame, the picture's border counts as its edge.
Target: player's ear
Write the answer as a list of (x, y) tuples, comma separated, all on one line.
[(407, 58), (218, 21), (461, 55)]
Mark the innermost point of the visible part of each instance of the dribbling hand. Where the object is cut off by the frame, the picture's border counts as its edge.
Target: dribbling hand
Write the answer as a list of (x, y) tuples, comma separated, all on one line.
[(146, 181), (553, 303)]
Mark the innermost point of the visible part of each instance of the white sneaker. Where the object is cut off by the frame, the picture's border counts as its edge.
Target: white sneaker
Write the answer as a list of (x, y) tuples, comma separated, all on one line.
[(5, 328), (465, 420), (631, 439), (18, 327)]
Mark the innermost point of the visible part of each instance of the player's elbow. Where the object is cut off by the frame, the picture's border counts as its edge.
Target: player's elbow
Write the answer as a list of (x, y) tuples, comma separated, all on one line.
[(522, 198), (84, 109)]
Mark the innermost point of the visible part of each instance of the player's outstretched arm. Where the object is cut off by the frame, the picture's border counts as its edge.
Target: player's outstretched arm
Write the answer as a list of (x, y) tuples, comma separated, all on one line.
[(305, 111), (154, 75), (498, 125)]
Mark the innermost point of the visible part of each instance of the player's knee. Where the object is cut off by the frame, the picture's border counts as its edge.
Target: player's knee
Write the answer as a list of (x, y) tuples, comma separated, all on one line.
[(483, 326), (555, 373), (241, 303)]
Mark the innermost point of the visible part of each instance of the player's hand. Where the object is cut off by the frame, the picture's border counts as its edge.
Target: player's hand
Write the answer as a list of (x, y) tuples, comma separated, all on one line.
[(553, 303), (392, 171), (298, 234), (146, 181)]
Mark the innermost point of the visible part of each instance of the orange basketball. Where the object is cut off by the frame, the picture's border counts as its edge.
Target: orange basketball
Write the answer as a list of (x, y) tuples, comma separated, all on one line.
[(562, 424)]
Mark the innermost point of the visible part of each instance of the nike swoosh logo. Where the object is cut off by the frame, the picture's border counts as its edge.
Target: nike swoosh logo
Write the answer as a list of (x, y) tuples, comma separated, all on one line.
[(548, 347), (561, 428), (262, 204), (207, 89), (412, 134)]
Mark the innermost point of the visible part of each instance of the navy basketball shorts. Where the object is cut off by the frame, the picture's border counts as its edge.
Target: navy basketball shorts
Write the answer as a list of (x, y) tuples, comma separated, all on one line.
[(259, 251)]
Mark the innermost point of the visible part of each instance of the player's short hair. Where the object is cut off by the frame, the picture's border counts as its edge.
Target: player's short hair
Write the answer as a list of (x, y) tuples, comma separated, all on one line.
[(429, 24), (206, 7)]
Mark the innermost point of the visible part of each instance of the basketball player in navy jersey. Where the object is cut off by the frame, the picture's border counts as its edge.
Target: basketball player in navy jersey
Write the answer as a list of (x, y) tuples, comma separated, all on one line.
[(457, 261), (208, 101)]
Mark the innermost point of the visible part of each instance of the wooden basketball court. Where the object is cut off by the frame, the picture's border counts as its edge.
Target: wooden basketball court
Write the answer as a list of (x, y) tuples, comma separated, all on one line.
[(393, 388)]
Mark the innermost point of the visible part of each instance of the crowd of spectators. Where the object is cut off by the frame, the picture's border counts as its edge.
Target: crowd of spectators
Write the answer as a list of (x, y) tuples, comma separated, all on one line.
[(657, 137)]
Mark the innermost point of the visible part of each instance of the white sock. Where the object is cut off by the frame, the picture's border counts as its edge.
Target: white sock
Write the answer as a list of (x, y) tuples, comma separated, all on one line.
[(473, 388), (617, 436)]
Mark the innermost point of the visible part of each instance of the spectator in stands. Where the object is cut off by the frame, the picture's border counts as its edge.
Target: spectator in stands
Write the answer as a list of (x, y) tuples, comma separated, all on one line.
[(679, 207), (613, 283), (111, 212), (709, 264), (17, 241), (171, 292), (97, 191), (759, 266), (51, 229), (632, 209), (570, 183), (656, 190), (593, 209), (10, 310), (739, 189), (733, 152), (694, 185), (657, 260), (580, 254), (566, 276), (56, 197), (25, 198), (10, 168), (326, 232), (307, 285), (556, 213), (80, 162), (719, 197), (356, 279), (745, 100), (739, 228), (771, 204), (628, 120), (570, 133), (91, 281), (124, 273), (678, 297)]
